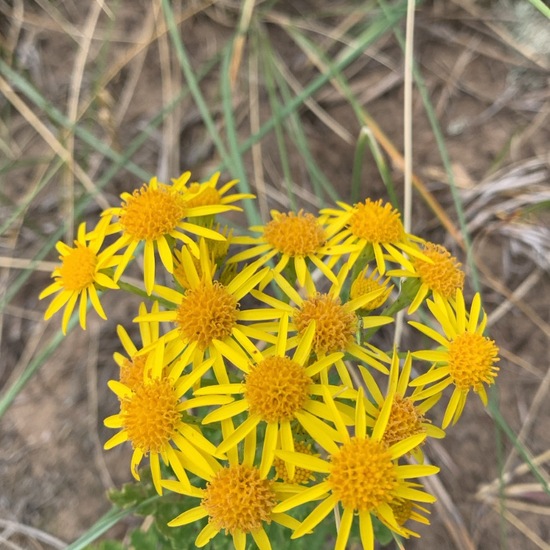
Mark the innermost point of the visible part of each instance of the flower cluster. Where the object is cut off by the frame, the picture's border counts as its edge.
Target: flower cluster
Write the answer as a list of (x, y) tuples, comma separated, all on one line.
[(267, 392)]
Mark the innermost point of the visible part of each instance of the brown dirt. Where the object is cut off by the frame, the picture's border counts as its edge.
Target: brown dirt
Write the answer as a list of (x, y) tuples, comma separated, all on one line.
[(491, 100)]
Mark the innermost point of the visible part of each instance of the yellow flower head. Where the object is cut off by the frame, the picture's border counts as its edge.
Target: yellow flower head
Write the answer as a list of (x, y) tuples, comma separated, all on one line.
[(363, 476), (295, 238), (155, 215), (407, 415), (150, 418), (277, 390), (207, 311), (83, 270), (228, 510), (466, 358), (237, 499), (336, 322), (371, 228), (207, 193), (441, 275), (367, 284), (132, 367)]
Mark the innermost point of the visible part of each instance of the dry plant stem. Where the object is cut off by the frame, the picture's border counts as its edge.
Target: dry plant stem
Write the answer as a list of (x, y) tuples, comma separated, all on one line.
[(32, 533), (521, 526), (489, 21), (503, 290), (315, 108), (72, 112), (518, 293), (169, 153), (408, 152), (254, 108), (240, 41), (52, 141), (491, 490), (542, 394), (450, 515)]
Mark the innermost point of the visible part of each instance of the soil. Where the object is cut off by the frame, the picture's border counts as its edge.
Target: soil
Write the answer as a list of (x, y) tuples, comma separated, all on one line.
[(487, 77)]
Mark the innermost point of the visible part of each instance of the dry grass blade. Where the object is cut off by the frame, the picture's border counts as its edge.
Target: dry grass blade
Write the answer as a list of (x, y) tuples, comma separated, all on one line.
[(53, 142), (506, 204)]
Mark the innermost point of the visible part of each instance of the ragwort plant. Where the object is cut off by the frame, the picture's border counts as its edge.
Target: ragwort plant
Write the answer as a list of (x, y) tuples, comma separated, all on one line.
[(267, 400)]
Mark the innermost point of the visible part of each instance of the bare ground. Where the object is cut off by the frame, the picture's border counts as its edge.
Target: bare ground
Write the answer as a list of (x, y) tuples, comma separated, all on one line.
[(488, 79)]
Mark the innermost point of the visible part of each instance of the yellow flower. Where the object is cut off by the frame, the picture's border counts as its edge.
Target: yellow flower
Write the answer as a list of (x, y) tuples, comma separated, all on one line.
[(362, 475), (370, 228), (466, 358), (150, 418), (81, 273), (207, 311), (407, 510), (295, 238), (441, 276), (207, 194), (301, 475), (132, 367), (407, 414), (366, 284), (237, 499), (336, 323), (155, 215), (276, 390)]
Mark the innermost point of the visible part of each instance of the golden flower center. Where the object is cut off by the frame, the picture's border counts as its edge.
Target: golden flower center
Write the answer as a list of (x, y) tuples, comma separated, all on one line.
[(78, 268), (362, 475), (295, 234), (202, 195), (151, 213), (376, 223), (301, 475), (405, 420), (364, 285), (237, 499), (471, 361), (444, 274), (151, 416), (207, 312), (132, 371), (276, 388), (335, 326)]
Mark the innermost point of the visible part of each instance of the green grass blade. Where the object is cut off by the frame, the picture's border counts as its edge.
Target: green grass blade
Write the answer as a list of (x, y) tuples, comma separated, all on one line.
[(193, 83), (377, 28), (239, 171)]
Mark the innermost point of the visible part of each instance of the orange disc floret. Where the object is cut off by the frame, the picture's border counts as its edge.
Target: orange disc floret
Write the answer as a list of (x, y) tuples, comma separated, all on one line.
[(151, 416), (405, 420), (362, 475), (238, 499), (276, 388), (149, 213), (206, 312), (132, 371), (471, 361), (376, 223), (301, 475), (335, 326), (444, 274), (78, 269), (364, 285), (295, 234)]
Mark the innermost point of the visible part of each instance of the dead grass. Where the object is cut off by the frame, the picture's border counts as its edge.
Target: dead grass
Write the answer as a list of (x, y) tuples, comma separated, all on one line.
[(110, 68)]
